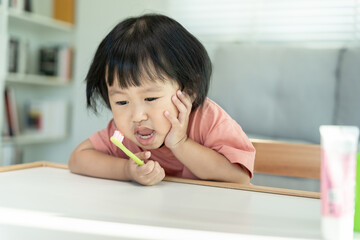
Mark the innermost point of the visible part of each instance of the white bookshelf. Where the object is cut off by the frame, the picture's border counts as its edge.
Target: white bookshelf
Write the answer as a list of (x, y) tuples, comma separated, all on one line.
[(31, 139), (36, 22), (29, 85), (33, 79)]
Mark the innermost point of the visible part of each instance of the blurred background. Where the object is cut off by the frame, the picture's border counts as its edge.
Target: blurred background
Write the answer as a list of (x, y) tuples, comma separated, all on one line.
[(46, 47)]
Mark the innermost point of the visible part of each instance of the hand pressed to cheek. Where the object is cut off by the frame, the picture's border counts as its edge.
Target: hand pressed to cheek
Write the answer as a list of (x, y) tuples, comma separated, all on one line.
[(179, 124)]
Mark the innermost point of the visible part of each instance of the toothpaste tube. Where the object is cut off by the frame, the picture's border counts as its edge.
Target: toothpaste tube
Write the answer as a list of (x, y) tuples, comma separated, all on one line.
[(338, 163), (357, 196)]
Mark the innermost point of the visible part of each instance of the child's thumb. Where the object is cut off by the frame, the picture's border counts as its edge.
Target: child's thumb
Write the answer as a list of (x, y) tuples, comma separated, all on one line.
[(143, 155)]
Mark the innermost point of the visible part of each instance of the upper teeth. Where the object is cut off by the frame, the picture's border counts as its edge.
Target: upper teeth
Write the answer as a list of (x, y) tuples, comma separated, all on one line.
[(146, 136)]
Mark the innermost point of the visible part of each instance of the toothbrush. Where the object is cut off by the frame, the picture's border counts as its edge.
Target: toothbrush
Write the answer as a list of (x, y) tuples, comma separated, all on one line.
[(117, 139)]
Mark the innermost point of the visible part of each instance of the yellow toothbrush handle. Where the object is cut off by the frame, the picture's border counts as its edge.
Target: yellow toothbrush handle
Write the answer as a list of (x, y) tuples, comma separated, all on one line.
[(126, 151)]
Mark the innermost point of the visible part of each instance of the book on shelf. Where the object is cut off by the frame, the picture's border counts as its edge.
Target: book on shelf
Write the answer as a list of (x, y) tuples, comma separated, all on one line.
[(5, 131), (28, 6), (13, 55), (56, 61), (11, 121), (47, 118), (63, 10), (18, 55), (21, 5), (44, 118), (17, 5)]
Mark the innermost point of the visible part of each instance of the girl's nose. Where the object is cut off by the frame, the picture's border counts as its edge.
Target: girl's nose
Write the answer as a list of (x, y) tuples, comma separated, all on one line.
[(139, 114)]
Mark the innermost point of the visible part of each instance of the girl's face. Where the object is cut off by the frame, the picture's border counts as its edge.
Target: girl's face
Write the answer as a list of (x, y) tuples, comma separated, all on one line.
[(139, 111)]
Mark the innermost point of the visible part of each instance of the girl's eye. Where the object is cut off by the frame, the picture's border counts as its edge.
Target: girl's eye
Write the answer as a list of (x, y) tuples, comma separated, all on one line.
[(122, 102), (150, 99)]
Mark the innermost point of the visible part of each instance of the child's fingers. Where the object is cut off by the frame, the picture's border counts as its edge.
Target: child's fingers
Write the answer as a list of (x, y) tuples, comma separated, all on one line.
[(143, 155), (185, 99), (147, 168), (183, 102), (159, 173), (155, 176), (179, 104), (172, 119), (158, 170), (134, 167), (154, 173)]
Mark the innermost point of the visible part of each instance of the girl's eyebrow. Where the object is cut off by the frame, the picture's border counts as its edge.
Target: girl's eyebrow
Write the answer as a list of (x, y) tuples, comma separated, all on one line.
[(152, 89), (147, 89), (115, 91)]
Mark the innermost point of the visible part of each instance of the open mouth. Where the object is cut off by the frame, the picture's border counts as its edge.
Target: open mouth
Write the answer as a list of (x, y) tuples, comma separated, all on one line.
[(145, 136)]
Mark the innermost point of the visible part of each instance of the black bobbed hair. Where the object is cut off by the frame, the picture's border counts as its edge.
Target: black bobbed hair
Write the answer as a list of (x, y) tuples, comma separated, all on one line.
[(154, 47)]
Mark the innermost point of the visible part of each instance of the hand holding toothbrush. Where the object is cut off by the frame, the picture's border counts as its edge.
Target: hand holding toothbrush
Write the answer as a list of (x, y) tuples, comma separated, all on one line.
[(149, 173)]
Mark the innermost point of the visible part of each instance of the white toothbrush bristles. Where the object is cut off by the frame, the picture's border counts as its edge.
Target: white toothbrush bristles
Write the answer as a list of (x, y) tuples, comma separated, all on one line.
[(118, 135)]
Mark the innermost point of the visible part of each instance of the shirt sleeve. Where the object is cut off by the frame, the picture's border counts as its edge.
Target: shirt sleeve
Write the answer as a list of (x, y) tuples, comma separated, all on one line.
[(101, 139), (228, 139), (212, 127)]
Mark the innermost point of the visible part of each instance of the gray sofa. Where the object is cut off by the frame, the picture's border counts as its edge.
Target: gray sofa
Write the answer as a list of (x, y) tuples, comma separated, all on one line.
[(286, 93)]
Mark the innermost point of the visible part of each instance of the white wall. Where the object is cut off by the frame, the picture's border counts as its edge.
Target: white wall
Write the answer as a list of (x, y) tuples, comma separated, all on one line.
[(94, 19)]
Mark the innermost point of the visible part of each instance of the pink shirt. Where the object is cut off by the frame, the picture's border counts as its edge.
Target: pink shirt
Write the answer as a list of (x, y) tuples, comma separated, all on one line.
[(210, 126)]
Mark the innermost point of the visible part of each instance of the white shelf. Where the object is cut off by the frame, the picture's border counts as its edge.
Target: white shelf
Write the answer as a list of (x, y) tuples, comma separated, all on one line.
[(35, 31), (36, 22), (32, 79), (31, 139)]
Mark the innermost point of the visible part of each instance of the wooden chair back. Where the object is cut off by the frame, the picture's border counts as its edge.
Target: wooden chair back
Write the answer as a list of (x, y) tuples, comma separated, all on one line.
[(287, 159)]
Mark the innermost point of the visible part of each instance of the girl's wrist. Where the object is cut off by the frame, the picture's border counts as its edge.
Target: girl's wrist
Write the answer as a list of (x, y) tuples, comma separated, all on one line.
[(126, 171), (179, 145)]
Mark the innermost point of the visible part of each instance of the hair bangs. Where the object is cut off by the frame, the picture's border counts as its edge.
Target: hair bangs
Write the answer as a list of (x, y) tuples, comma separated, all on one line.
[(131, 62)]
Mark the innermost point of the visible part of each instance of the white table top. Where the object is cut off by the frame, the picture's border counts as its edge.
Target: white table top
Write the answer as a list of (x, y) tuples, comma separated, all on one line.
[(48, 202)]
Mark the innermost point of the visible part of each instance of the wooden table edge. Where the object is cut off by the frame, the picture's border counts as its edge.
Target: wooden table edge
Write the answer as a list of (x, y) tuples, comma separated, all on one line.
[(272, 190)]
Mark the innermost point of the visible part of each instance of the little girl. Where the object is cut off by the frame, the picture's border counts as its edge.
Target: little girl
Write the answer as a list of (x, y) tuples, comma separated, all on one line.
[(154, 76)]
